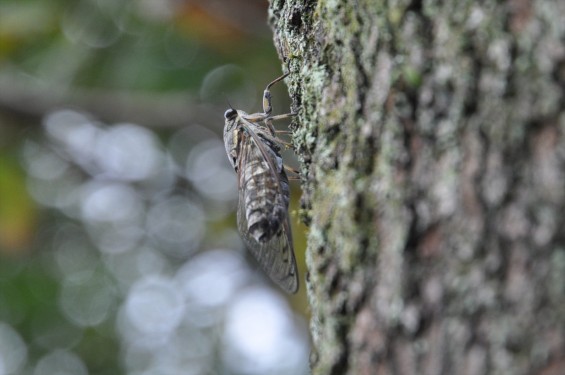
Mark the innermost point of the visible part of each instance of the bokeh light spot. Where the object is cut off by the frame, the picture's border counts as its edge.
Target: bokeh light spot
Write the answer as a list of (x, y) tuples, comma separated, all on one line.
[(261, 336), (177, 225), (208, 168), (60, 362), (212, 277), (87, 301), (13, 351), (128, 152), (154, 306)]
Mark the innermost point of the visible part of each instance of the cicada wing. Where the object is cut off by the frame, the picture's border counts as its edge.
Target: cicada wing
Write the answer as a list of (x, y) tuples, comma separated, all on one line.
[(276, 254)]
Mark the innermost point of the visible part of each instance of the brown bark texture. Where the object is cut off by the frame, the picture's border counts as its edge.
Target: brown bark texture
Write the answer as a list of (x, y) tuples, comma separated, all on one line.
[(432, 142)]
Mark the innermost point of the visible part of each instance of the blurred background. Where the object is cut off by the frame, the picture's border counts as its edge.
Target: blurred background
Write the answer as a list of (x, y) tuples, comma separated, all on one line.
[(119, 252)]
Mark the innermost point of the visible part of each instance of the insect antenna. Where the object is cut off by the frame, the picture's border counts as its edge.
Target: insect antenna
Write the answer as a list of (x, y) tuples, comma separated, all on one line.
[(228, 100)]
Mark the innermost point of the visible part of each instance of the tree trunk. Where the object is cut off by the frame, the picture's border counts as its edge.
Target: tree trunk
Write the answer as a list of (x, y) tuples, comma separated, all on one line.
[(432, 141)]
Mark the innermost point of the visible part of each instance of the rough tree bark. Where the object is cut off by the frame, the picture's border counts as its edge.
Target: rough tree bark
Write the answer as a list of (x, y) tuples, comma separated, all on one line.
[(432, 141)]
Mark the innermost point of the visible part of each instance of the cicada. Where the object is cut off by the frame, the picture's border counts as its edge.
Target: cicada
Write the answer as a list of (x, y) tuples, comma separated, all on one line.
[(262, 214)]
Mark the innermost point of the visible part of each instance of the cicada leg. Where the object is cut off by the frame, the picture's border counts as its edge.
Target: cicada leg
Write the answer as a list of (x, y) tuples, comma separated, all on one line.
[(267, 107), (293, 174), (282, 117), (291, 170), (269, 122)]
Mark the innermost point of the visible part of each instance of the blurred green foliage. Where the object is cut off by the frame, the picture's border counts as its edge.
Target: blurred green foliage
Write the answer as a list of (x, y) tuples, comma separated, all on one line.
[(203, 51)]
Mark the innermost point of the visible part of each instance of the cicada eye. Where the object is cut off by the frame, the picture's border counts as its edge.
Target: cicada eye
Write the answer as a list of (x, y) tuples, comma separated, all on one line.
[(230, 114)]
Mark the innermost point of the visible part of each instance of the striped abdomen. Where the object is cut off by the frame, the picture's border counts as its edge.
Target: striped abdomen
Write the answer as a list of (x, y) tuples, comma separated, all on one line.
[(265, 193)]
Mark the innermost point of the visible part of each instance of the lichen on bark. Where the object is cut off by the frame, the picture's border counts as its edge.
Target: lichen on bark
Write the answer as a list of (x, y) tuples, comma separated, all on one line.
[(433, 158)]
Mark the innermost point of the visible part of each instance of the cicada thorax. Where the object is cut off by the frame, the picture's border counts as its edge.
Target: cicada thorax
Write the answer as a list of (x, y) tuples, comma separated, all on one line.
[(266, 194)]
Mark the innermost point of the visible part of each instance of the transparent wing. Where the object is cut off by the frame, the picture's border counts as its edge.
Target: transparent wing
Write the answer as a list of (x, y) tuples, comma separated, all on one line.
[(276, 255)]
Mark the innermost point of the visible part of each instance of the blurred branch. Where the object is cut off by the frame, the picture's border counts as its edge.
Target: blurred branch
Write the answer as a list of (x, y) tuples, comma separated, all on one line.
[(30, 101)]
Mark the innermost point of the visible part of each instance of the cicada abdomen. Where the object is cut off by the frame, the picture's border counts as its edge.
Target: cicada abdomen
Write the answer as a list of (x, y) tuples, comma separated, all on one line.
[(265, 194), (262, 213)]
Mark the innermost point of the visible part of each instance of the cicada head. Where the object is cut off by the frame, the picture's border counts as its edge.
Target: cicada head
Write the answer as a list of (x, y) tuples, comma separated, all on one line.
[(230, 114)]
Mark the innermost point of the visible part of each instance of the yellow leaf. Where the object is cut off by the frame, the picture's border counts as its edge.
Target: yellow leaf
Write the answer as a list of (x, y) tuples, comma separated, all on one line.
[(18, 212)]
